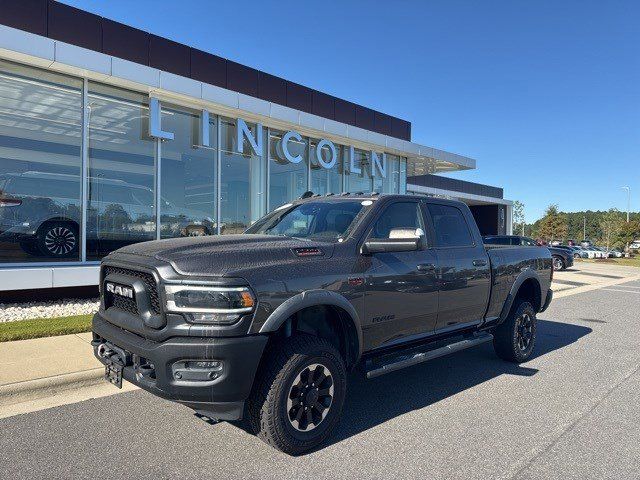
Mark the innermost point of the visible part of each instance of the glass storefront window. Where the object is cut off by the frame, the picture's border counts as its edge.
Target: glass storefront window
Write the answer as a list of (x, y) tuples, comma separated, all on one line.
[(390, 183), (121, 170), (403, 175), (325, 180), (358, 182), (242, 180), (40, 165), (41, 209), (287, 180), (187, 176)]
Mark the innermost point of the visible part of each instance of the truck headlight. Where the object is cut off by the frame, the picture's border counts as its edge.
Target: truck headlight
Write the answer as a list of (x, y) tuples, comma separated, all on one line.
[(209, 304)]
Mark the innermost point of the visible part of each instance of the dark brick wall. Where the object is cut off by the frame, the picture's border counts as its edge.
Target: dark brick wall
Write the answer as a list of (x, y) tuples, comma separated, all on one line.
[(71, 25)]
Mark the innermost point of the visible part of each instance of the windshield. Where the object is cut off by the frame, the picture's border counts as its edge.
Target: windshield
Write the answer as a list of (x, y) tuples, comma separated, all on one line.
[(321, 220)]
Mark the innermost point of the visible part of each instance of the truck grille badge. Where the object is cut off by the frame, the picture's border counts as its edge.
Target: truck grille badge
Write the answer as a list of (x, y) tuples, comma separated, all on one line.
[(120, 290)]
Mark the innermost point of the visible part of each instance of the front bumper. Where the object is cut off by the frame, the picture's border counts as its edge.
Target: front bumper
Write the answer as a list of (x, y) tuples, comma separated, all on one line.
[(221, 398)]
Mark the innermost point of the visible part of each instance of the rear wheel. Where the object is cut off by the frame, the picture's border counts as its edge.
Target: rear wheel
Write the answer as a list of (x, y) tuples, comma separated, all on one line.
[(58, 239), (297, 400), (558, 263), (515, 338)]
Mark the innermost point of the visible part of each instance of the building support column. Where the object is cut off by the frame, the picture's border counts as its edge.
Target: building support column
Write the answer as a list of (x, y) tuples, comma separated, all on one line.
[(509, 219)]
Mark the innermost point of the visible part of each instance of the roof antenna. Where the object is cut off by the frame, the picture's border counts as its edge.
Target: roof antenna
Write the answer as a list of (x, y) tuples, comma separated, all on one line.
[(306, 194)]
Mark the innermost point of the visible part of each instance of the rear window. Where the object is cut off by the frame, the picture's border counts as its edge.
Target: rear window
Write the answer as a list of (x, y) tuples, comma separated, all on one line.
[(450, 226)]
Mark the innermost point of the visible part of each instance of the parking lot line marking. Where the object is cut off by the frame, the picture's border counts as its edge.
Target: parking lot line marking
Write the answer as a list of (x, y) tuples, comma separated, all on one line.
[(603, 275), (567, 282), (597, 286), (620, 290)]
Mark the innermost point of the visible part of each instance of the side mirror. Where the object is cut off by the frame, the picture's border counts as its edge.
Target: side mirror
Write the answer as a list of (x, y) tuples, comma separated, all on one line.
[(400, 240)]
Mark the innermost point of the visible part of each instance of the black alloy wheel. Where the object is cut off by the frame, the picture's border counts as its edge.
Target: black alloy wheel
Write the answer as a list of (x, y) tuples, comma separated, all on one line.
[(58, 240), (524, 331), (558, 263), (310, 397)]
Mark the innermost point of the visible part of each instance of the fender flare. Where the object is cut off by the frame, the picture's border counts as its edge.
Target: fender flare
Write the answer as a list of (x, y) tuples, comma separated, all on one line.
[(313, 298), (525, 275)]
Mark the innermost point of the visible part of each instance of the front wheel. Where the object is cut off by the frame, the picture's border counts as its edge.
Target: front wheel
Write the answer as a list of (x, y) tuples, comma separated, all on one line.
[(297, 400), (515, 338), (558, 263)]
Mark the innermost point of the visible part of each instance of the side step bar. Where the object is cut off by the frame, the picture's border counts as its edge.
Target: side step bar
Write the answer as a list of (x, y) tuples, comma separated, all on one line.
[(399, 361)]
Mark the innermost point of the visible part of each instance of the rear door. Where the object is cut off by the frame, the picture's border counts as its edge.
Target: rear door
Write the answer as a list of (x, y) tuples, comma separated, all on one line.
[(401, 298), (463, 265)]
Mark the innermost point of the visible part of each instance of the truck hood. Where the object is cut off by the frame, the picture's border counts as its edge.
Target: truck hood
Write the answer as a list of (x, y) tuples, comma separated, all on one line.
[(222, 255)]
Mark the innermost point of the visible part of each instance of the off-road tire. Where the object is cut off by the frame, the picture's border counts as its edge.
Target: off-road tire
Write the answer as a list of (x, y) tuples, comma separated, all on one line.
[(506, 340), (267, 411)]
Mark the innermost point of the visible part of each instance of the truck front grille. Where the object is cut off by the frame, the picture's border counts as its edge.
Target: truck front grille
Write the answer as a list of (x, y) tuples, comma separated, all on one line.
[(127, 304)]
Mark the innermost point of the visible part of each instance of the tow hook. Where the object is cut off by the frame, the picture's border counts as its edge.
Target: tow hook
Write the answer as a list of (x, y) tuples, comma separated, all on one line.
[(104, 351)]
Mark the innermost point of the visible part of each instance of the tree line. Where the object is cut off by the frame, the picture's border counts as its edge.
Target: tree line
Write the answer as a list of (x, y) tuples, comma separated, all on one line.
[(606, 228)]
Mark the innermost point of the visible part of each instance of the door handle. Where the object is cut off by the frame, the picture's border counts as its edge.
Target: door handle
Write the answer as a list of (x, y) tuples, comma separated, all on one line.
[(479, 263), (426, 267)]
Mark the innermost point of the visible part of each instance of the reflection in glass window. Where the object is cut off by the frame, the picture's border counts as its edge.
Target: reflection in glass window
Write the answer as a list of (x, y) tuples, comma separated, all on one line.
[(390, 183), (358, 182), (121, 193), (403, 175), (404, 215), (450, 226), (328, 220), (287, 181), (187, 188), (242, 180), (325, 180), (40, 165)]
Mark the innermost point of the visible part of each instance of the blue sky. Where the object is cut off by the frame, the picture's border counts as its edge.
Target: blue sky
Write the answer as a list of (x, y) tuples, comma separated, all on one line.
[(544, 95)]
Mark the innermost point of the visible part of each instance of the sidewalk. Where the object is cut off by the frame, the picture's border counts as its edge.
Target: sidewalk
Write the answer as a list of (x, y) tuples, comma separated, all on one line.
[(31, 369)]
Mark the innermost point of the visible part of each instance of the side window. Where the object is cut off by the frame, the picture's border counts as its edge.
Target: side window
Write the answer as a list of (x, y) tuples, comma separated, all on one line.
[(406, 216), (450, 226), (498, 241)]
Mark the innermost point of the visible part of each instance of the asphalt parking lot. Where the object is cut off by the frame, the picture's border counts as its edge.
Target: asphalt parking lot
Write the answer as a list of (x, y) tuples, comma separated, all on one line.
[(570, 412)]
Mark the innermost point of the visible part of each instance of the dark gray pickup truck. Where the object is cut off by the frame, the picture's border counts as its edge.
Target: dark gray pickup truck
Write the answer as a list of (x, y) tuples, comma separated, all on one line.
[(264, 326)]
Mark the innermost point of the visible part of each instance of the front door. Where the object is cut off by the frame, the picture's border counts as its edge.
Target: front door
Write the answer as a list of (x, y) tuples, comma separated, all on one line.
[(401, 289)]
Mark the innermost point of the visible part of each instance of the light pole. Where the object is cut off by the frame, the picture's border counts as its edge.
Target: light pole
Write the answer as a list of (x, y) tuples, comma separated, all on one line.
[(584, 228), (628, 189)]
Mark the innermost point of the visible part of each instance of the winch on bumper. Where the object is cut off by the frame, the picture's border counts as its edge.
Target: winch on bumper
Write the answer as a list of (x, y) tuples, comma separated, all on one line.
[(213, 376)]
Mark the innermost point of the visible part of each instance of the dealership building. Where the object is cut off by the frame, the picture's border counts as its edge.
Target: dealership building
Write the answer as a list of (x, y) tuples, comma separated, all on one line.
[(110, 135)]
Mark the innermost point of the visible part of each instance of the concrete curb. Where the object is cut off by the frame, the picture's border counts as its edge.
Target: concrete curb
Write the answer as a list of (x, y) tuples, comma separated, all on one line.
[(45, 387)]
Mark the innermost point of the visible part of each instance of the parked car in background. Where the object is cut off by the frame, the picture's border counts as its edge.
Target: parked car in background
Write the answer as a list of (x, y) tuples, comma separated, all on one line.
[(635, 245), (615, 253), (591, 253), (562, 258), (577, 251)]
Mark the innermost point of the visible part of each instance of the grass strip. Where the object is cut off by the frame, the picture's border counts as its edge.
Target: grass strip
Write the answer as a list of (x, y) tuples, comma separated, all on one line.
[(44, 327)]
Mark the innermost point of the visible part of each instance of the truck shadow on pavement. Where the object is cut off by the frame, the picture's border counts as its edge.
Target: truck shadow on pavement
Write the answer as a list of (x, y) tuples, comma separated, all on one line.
[(372, 402)]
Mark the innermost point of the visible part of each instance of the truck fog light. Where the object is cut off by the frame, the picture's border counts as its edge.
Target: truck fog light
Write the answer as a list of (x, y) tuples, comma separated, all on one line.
[(197, 370), (213, 318)]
